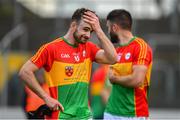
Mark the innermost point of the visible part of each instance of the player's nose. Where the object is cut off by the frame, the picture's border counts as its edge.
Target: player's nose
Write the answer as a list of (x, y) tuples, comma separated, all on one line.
[(86, 37)]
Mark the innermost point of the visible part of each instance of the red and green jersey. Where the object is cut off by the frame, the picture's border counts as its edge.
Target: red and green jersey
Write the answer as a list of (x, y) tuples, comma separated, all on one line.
[(68, 70), (126, 101)]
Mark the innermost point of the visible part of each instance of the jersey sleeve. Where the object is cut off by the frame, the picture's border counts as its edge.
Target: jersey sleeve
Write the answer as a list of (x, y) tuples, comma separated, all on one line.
[(42, 58), (94, 49), (142, 55)]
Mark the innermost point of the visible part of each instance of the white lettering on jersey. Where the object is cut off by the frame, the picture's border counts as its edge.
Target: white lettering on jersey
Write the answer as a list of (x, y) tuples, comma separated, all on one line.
[(84, 53), (119, 56), (76, 58), (65, 55)]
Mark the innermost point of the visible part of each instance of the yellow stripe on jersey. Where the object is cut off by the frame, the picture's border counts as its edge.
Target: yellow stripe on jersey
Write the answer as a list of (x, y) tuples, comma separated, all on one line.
[(140, 52), (37, 55), (122, 68), (135, 108), (58, 75), (148, 74), (147, 77), (143, 51)]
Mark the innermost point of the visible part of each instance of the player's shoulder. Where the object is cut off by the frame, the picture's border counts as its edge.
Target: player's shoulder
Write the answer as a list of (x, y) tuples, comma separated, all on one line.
[(141, 43), (53, 43)]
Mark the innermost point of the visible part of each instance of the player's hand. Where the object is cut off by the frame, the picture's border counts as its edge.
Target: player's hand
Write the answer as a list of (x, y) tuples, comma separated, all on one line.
[(93, 20), (53, 104), (111, 76)]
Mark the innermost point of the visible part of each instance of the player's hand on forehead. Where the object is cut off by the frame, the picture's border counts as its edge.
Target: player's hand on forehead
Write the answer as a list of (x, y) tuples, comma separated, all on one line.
[(90, 16), (92, 19)]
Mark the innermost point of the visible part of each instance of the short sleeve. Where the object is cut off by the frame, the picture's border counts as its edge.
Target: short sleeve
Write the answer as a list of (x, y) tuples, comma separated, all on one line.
[(142, 54), (94, 49), (42, 58)]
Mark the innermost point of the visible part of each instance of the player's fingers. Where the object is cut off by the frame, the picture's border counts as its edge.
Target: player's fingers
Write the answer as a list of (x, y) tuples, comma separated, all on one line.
[(51, 107), (61, 108), (88, 21), (93, 18), (55, 108), (90, 14), (89, 18)]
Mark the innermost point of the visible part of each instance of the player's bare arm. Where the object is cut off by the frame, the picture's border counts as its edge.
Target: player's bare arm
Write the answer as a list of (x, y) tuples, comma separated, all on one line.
[(108, 54), (27, 75), (133, 80)]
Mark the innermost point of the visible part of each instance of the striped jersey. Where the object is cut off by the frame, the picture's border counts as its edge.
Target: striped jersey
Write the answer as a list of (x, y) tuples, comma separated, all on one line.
[(126, 101), (68, 70)]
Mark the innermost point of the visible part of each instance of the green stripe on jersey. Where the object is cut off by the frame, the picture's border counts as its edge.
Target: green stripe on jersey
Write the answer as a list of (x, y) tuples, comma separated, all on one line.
[(74, 99), (121, 101)]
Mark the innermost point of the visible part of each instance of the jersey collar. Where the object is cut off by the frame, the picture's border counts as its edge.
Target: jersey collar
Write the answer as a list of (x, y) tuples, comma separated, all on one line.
[(66, 41), (128, 42)]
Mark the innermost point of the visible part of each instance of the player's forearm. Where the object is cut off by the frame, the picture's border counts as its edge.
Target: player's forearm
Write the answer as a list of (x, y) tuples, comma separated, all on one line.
[(30, 80), (127, 81), (108, 47)]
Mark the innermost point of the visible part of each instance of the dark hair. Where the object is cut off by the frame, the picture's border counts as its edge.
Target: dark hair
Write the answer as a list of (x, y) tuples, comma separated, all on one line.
[(77, 15), (121, 17)]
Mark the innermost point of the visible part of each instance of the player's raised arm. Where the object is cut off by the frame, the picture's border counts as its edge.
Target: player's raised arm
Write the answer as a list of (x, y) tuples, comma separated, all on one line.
[(108, 53)]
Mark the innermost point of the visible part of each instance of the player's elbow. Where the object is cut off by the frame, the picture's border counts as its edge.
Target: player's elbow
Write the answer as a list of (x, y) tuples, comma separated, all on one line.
[(23, 73), (138, 83)]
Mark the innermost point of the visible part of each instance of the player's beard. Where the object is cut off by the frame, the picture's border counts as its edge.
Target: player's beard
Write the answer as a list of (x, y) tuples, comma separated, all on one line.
[(78, 38), (113, 37)]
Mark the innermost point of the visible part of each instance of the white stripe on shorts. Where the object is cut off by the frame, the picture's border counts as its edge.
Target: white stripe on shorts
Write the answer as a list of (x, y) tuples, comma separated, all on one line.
[(108, 116)]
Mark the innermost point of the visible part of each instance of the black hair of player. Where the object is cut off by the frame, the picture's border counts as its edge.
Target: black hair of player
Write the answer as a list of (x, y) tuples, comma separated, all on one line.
[(78, 14), (121, 17)]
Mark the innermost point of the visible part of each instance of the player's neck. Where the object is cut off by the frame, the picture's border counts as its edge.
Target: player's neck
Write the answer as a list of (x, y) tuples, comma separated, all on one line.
[(70, 38), (125, 37)]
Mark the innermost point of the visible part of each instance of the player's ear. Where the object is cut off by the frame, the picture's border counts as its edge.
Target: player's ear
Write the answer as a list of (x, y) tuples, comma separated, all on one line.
[(114, 27), (73, 25)]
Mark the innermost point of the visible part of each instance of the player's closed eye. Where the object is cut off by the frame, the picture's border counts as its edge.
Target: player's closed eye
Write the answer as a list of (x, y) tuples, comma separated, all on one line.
[(86, 29)]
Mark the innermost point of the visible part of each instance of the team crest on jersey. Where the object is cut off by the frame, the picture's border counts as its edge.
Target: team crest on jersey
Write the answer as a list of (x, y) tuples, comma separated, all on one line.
[(69, 70), (127, 56)]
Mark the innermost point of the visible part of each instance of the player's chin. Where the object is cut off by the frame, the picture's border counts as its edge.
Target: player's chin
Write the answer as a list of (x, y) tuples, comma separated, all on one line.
[(84, 41)]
